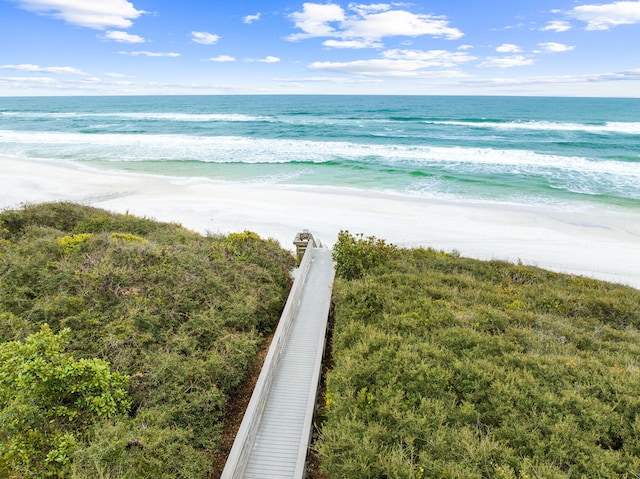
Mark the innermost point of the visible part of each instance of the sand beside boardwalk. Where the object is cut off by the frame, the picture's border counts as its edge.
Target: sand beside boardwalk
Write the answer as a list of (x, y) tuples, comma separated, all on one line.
[(602, 243)]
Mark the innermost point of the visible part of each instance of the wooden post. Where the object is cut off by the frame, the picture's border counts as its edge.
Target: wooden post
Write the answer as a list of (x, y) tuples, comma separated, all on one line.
[(302, 241)]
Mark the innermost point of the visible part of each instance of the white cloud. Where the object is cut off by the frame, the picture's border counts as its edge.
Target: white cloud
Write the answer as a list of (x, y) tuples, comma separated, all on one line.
[(24, 85), (314, 20), (628, 75), (386, 68), (465, 47), (399, 23), (367, 23), (430, 58), (403, 64), (353, 44), (91, 14), (122, 37), (252, 18), (268, 59), (508, 48), (150, 54), (204, 38), (367, 9), (27, 67), (339, 80), (21, 80), (222, 59), (506, 62), (556, 26), (604, 17), (554, 47), (114, 75)]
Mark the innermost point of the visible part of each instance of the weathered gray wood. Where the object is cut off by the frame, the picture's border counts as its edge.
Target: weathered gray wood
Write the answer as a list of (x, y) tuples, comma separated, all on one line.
[(322, 286), (237, 460), (274, 435)]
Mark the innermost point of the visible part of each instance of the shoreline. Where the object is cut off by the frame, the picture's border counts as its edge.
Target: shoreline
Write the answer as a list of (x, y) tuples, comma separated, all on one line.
[(602, 242)]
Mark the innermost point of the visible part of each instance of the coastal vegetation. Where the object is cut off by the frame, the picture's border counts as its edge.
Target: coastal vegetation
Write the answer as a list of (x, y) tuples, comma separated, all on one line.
[(447, 367), (122, 340)]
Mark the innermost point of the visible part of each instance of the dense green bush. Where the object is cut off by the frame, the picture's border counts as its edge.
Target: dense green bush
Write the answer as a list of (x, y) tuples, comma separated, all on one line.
[(457, 368), (181, 314), (356, 255), (48, 400)]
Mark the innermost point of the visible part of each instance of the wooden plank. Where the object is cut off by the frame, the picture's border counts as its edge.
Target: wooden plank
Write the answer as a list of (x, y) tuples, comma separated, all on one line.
[(295, 376), (275, 444), (237, 459)]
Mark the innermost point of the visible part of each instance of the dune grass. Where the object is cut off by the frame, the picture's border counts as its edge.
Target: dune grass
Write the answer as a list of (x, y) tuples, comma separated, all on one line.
[(447, 367), (179, 315)]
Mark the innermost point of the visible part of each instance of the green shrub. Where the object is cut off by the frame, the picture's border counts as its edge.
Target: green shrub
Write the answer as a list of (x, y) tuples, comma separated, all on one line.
[(69, 244), (356, 255), (183, 315), (142, 447), (49, 400), (127, 237), (452, 367)]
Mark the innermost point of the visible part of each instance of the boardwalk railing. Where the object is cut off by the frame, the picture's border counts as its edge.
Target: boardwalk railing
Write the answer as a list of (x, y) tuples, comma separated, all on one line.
[(237, 460)]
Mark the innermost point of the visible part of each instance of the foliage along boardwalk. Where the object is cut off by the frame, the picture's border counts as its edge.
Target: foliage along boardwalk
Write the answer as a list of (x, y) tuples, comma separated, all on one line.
[(273, 438)]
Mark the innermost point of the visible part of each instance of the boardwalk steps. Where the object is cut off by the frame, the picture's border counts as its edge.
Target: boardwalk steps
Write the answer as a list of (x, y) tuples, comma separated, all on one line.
[(274, 435)]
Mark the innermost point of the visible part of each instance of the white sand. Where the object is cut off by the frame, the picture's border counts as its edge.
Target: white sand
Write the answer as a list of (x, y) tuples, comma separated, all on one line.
[(601, 243)]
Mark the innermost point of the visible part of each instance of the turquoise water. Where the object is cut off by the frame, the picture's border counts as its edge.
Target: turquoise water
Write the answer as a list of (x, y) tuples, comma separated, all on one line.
[(504, 149)]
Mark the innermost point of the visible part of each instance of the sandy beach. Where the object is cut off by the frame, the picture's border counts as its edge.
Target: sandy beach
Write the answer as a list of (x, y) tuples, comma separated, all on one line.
[(596, 242)]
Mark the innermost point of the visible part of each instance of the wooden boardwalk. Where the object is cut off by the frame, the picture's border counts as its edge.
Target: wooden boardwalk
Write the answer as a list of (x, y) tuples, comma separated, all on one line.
[(274, 436)]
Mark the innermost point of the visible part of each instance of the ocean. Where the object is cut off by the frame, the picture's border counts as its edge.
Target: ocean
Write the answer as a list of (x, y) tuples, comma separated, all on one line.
[(517, 150)]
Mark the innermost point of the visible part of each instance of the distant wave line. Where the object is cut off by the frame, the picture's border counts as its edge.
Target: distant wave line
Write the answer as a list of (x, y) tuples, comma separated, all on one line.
[(166, 116), (632, 128)]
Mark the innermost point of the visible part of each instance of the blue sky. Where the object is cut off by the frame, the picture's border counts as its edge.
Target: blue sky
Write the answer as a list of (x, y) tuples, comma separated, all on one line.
[(458, 47)]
